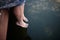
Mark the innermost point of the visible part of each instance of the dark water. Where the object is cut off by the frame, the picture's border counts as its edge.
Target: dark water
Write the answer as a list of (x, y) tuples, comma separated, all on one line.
[(44, 21)]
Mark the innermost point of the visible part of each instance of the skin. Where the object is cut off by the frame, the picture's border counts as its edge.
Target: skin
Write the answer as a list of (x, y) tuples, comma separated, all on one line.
[(19, 13), (3, 23)]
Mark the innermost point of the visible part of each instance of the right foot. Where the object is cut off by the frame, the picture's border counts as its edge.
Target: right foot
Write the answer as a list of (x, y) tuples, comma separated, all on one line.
[(25, 19)]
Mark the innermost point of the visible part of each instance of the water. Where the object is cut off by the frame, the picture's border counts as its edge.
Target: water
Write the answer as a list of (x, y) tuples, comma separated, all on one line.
[(44, 19)]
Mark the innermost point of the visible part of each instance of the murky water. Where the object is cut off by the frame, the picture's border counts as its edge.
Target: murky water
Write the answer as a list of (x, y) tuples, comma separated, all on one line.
[(44, 19)]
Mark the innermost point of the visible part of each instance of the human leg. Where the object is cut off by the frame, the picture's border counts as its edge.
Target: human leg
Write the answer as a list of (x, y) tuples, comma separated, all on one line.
[(3, 23), (19, 13)]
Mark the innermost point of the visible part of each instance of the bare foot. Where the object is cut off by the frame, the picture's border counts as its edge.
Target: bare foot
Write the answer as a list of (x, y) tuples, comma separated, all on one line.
[(22, 24), (25, 19)]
